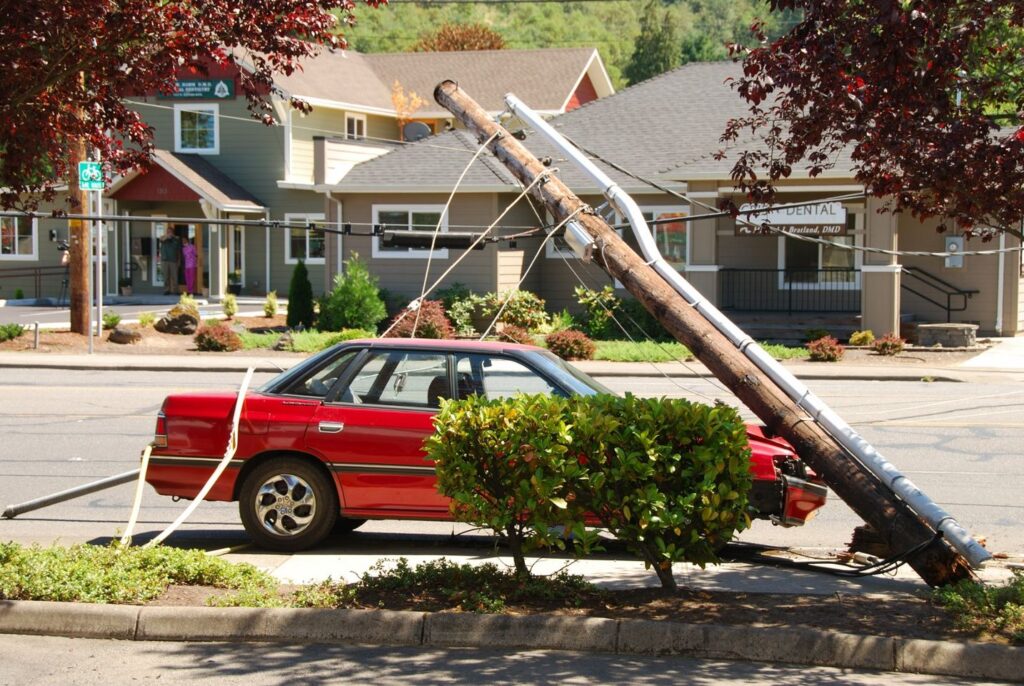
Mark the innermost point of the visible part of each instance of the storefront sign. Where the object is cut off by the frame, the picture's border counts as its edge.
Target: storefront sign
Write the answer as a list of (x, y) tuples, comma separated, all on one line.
[(823, 219), (203, 89)]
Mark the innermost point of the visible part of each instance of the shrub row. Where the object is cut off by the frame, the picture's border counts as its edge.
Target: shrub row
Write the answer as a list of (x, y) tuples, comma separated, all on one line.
[(668, 477)]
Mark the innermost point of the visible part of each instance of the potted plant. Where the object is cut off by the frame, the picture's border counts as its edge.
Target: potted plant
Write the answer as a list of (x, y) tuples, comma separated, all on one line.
[(124, 284), (235, 282)]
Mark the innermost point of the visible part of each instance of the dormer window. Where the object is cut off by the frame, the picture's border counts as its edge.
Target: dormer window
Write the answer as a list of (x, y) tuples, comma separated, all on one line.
[(355, 127)]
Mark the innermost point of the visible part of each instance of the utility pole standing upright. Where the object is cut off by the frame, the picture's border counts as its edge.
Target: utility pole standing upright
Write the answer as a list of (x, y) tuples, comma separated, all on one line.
[(78, 239), (936, 562)]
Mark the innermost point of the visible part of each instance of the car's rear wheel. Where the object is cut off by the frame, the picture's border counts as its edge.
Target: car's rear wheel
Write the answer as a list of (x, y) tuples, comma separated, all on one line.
[(288, 504)]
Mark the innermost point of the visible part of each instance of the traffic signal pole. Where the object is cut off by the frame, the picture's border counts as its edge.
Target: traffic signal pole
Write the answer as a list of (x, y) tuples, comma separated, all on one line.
[(932, 557)]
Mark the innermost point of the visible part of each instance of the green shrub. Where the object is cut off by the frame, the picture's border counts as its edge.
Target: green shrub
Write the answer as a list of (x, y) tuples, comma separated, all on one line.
[(217, 338), (451, 294), (866, 337), (19, 294), (518, 308), (467, 313), (560, 321), (146, 319), (570, 345), (393, 302), (504, 465), (515, 334), (639, 323), (666, 476), (270, 304), (889, 344), (354, 302), (229, 306), (815, 334), (111, 319), (315, 341), (826, 349), (986, 608), (432, 322), (9, 332), (300, 298), (598, 310)]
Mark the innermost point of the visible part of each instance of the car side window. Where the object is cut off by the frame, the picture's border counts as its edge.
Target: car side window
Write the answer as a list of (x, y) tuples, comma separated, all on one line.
[(319, 384), (497, 377), (400, 377)]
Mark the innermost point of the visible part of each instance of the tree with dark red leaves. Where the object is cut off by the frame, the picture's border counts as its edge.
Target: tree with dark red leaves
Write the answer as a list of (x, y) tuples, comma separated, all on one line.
[(67, 65), (926, 98)]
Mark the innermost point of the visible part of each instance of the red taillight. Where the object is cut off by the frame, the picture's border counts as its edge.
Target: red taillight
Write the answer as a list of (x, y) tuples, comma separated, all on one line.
[(160, 435)]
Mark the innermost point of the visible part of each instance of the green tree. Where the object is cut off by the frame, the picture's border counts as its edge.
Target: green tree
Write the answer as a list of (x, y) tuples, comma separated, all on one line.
[(354, 302), (300, 298), (657, 46)]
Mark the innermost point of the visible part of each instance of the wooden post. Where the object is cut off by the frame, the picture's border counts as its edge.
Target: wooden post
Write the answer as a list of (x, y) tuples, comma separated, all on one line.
[(78, 238), (938, 563)]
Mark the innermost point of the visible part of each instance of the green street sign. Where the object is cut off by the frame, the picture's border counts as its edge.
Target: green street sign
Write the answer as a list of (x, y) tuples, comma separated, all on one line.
[(90, 176)]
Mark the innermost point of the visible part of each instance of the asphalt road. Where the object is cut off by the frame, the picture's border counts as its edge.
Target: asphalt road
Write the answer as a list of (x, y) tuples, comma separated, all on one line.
[(43, 660), (960, 442)]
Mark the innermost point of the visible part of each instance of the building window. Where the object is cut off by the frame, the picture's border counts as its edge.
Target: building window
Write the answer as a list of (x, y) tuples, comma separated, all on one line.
[(355, 127), (17, 238), (304, 244), (809, 264), (407, 218), (671, 237), (196, 129)]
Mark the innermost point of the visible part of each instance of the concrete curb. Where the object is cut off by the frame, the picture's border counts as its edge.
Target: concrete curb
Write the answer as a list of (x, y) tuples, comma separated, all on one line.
[(794, 645)]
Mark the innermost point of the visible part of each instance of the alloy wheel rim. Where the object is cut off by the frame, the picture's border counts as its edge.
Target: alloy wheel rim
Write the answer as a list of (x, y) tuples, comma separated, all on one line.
[(285, 505)]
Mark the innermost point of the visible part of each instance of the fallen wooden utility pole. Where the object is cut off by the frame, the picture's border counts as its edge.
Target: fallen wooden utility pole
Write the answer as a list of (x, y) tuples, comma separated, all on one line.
[(934, 560)]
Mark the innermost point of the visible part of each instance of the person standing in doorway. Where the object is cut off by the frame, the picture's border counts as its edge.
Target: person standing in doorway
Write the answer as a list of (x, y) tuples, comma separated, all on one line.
[(188, 254), (170, 255)]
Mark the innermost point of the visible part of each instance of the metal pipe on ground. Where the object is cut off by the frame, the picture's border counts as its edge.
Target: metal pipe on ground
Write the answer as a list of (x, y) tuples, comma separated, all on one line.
[(13, 511)]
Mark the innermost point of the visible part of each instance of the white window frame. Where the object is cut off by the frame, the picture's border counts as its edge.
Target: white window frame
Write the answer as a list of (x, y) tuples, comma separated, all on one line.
[(27, 257), (858, 258), (360, 120), (302, 217), (210, 108), (237, 240), (410, 254)]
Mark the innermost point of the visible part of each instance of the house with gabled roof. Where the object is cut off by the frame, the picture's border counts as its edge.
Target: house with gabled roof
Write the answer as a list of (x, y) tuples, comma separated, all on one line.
[(667, 130), (215, 162)]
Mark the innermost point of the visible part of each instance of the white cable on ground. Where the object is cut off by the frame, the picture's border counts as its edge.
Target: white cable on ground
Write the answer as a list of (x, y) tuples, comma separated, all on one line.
[(440, 220), (126, 538), (540, 249), (416, 303), (228, 454)]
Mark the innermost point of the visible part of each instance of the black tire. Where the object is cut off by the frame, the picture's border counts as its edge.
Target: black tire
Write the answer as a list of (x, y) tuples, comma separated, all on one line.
[(288, 504), (346, 525)]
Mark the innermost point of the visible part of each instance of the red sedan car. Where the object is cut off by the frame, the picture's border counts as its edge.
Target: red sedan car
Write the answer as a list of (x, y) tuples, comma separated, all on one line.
[(338, 439)]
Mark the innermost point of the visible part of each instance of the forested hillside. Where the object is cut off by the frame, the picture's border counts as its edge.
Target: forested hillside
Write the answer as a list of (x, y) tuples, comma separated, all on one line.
[(700, 28)]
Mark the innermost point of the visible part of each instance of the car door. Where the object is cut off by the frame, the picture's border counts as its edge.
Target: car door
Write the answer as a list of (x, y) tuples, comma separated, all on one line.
[(370, 432)]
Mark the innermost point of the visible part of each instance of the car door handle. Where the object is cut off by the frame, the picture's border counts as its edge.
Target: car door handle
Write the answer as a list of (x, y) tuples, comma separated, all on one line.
[(330, 427)]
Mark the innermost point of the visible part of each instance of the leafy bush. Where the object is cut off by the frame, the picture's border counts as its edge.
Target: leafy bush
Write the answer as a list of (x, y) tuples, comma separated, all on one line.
[(217, 338), (639, 323), (451, 294), (889, 344), (515, 334), (979, 607), (598, 310), (115, 574), (668, 477), (270, 304), (19, 294), (146, 319), (432, 322), (9, 332), (521, 308), (826, 349), (466, 313), (866, 337), (111, 319), (815, 334), (560, 321), (354, 302), (229, 305), (570, 345), (300, 298)]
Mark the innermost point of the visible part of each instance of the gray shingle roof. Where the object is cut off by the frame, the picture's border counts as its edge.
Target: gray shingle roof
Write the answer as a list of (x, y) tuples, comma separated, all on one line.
[(210, 182)]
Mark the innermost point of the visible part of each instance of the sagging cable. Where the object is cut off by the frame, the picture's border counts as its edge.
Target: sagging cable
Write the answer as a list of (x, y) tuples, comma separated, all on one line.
[(126, 538)]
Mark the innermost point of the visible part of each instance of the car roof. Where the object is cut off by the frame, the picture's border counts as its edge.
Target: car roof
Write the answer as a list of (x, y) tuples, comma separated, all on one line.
[(442, 344)]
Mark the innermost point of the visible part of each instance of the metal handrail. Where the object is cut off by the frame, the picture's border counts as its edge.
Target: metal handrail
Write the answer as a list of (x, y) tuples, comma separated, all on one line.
[(37, 274), (944, 287)]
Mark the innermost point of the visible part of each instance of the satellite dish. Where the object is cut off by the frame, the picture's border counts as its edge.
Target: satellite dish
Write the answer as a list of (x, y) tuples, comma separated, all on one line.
[(415, 131)]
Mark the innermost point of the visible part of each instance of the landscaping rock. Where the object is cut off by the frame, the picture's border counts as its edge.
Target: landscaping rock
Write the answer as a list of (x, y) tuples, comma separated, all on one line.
[(284, 342), (947, 335), (178, 321), (124, 335)]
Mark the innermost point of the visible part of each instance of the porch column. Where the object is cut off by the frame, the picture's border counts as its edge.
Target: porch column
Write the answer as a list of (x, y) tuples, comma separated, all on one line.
[(702, 249), (332, 242), (218, 253), (880, 273)]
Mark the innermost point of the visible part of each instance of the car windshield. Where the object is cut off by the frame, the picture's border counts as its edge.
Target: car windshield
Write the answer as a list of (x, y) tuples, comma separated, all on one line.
[(568, 376)]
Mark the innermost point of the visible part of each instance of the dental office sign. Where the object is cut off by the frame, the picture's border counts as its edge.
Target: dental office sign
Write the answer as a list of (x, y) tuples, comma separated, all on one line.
[(203, 89), (823, 219)]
